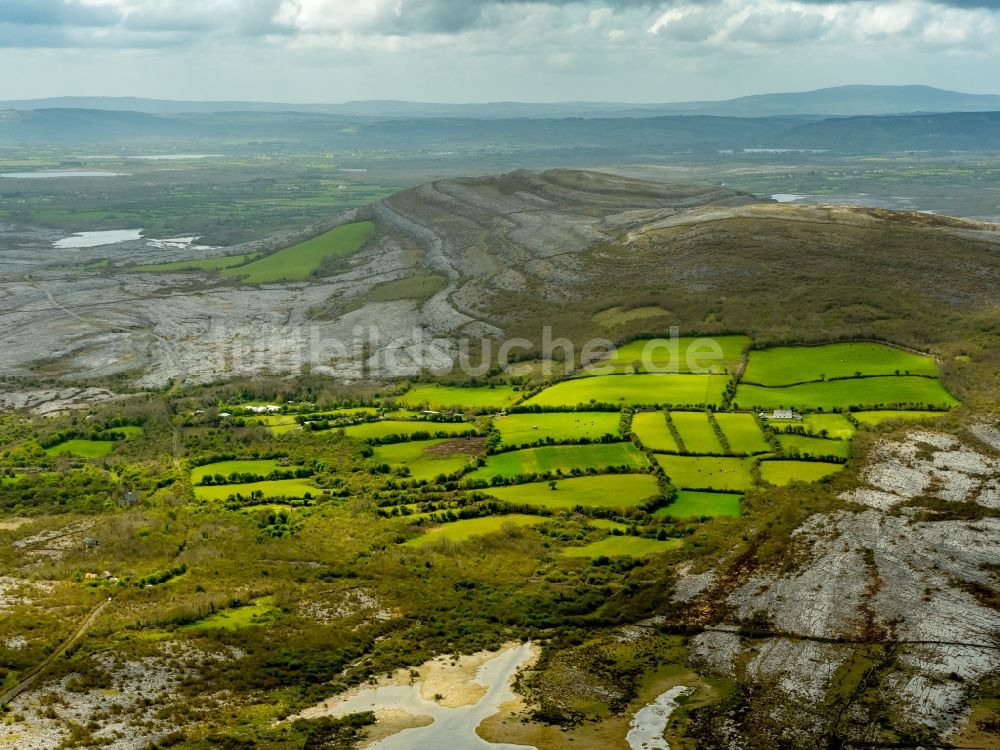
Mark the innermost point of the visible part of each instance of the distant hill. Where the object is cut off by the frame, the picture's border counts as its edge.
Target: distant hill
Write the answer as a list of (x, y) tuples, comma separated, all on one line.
[(577, 139), (836, 101)]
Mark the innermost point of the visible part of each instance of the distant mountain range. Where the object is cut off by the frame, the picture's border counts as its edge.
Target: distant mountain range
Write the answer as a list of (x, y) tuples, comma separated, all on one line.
[(576, 138), (827, 102)]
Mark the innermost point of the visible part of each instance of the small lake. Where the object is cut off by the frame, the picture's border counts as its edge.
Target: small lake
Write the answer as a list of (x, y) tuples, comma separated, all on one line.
[(787, 197), (176, 157), (96, 239), (55, 173)]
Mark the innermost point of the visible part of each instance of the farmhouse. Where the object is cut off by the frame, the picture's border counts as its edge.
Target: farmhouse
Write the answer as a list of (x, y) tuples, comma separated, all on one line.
[(781, 414)]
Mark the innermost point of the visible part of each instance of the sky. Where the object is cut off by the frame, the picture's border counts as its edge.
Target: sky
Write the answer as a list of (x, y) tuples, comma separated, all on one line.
[(489, 50)]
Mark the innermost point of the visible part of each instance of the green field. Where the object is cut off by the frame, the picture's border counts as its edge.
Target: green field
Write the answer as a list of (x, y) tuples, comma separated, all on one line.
[(691, 354), (783, 473), (619, 546), (437, 397), (277, 488), (82, 448), (691, 504), (696, 432), (634, 390), (279, 424), (605, 491), (652, 430), (816, 447), (260, 612), (295, 263), (836, 425), (562, 427), (201, 264), (383, 428), (259, 467), (130, 431), (694, 472), (459, 531), (427, 458), (878, 417), (841, 394), (785, 365), (564, 457), (742, 432)]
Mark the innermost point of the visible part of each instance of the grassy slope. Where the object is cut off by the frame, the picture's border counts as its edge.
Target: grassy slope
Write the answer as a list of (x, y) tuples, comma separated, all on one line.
[(814, 446), (846, 393), (646, 389), (421, 460), (225, 468), (295, 263), (785, 365), (742, 432), (523, 429), (696, 432), (608, 491), (783, 473), (439, 397), (694, 472), (277, 488), (692, 354), (564, 457), (691, 504), (652, 430), (461, 530)]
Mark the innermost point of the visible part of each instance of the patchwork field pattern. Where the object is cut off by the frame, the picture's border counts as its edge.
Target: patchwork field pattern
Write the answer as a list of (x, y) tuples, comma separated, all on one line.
[(696, 432)]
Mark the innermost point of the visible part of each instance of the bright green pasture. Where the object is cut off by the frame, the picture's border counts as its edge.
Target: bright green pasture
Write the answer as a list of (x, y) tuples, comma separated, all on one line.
[(643, 389), (428, 458), (459, 531), (129, 431), (277, 488), (841, 394), (688, 354), (383, 428), (279, 424), (260, 467), (785, 365), (562, 427), (836, 425), (604, 491), (260, 612), (431, 396), (82, 448), (785, 472), (652, 430), (696, 432), (564, 457), (708, 472), (201, 264), (295, 263), (742, 432), (813, 446), (691, 504), (619, 546), (878, 417)]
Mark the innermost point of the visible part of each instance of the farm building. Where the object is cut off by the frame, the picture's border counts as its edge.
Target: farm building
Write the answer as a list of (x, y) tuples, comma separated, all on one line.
[(781, 414)]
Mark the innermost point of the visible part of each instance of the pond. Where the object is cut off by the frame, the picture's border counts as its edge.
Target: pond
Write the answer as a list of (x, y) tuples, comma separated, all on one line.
[(53, 173), (96, 239)]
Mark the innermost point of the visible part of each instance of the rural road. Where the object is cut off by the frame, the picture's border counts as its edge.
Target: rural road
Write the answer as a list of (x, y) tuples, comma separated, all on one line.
[(75, 636)]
